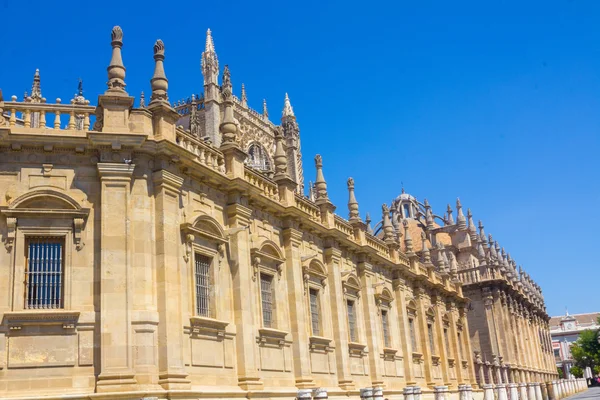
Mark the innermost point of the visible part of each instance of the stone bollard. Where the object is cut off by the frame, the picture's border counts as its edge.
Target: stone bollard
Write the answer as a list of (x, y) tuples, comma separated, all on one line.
[(417, 392), (488, 392), (523, 391), (366, 394), (304, 394), (550, 391), (501, 392), (440, 392), (409, 393), (320, 394), (531, 391), (377, 393), (544, 391), (513, 391), (538, 391), (462, 392), (558, 390), (469, 391)]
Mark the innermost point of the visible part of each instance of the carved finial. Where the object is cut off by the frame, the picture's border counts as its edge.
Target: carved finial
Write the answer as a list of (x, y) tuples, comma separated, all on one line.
[(461, 221), (80, 87), (368, 222), (320, 184), (288, 111), (426, 255), (116, 69), (388, 229), (226, 88), (159, 81), (352, 203), (482, 233), (480, 251), (442, 259), (471, 226), (280, 157), (408, 243), (265, 111), (228, 128), (452, 263), (142, 100), (428, 215), (449, 219), (311, 191), (244, 98)]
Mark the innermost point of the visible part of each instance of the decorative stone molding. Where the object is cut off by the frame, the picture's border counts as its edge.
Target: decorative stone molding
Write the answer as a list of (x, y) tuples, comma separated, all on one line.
[(77, 228), (208, 325), (11, 228), (272, 336), (320, 343), (357, 349), (17, 319)]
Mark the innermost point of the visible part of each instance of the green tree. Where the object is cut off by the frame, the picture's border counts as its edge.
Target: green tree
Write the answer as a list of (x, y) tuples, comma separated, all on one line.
[(576, 371), (586, 350), (561, 374)]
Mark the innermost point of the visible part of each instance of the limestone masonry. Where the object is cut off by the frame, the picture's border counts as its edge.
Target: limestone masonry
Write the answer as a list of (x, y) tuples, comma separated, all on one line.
[(167, 251)]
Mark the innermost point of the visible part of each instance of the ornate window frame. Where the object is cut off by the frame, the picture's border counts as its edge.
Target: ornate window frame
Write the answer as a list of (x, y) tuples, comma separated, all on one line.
[(412, 313), (268, 259), (351, 288)]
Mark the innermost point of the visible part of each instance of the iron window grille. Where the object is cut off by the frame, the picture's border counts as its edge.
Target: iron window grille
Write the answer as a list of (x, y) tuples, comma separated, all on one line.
[(351, 320), (314, 311), (203, 285), (266, 295), (431, 341), (44, 273), (386, 328), (413, 337)]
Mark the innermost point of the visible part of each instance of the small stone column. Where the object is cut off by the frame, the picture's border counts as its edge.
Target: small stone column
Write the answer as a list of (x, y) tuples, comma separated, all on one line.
[(320, 394), (557, 390), (550, 391), (523, 391), (377, 393), (462, 392), (469, 390), (366, 394), (501, 391), (513, 390), (441, 392), (304, 394), (488, 392), (409, 393), (417, 392)]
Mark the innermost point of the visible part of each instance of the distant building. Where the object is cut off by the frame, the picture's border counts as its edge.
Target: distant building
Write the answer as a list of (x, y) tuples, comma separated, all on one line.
[(565, 330)]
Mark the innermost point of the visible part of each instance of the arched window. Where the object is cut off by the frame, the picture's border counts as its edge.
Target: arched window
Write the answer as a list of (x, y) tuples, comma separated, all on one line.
[(411, 310), (258, 157)]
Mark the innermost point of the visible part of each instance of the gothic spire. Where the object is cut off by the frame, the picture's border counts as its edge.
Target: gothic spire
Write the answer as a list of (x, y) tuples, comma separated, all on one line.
[(408, 243), (210, 62), (311, 191), (352, 203), (425, 251), (142, 100), (265, 111), (244, 98), (428, 215), (116, 69), (482, 233), (288, 111), (449, 219), (36, 89), (159, 82), (368, 222), (471, 226), (461, 222)]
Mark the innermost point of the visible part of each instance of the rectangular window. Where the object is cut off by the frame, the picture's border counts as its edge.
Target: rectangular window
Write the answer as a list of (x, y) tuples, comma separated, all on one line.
[(460, 346), (266, 295), (203, 285), (44, 273), (413, 337), (314, 311), (386, 328), (431, 341), (351, 320), (448, 350)]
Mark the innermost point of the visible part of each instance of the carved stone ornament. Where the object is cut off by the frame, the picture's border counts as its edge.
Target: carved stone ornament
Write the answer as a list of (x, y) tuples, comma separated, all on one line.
[(11, 228), (77, 228)]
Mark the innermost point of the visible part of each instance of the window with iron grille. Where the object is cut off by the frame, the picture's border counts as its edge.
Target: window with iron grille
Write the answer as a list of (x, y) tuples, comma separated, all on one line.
[(351, 320), (447, 341), (44, 273), (314, 311), (386, 328), (266, 296), (431, 341), (460, 346), (413, 337), (203, 285)]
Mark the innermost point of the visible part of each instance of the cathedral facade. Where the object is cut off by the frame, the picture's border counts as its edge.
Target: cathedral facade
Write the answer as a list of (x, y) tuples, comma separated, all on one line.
[(168, 250)]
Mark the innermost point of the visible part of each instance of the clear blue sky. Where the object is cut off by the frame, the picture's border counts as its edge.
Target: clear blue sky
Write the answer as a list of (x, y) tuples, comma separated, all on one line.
[(498, 104)]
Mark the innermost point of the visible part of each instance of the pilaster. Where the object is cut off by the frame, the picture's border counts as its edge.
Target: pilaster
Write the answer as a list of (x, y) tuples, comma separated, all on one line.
[(170, 275), (116, 345), (238, 215), (400, 295), (293, 271), (372, 322)]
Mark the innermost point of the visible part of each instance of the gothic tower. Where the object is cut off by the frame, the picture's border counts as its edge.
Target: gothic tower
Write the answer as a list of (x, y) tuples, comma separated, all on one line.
[(291, 132), (210, 71)]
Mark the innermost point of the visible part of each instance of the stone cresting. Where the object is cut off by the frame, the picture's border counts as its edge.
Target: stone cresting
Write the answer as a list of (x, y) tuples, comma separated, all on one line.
[(187, 274)]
